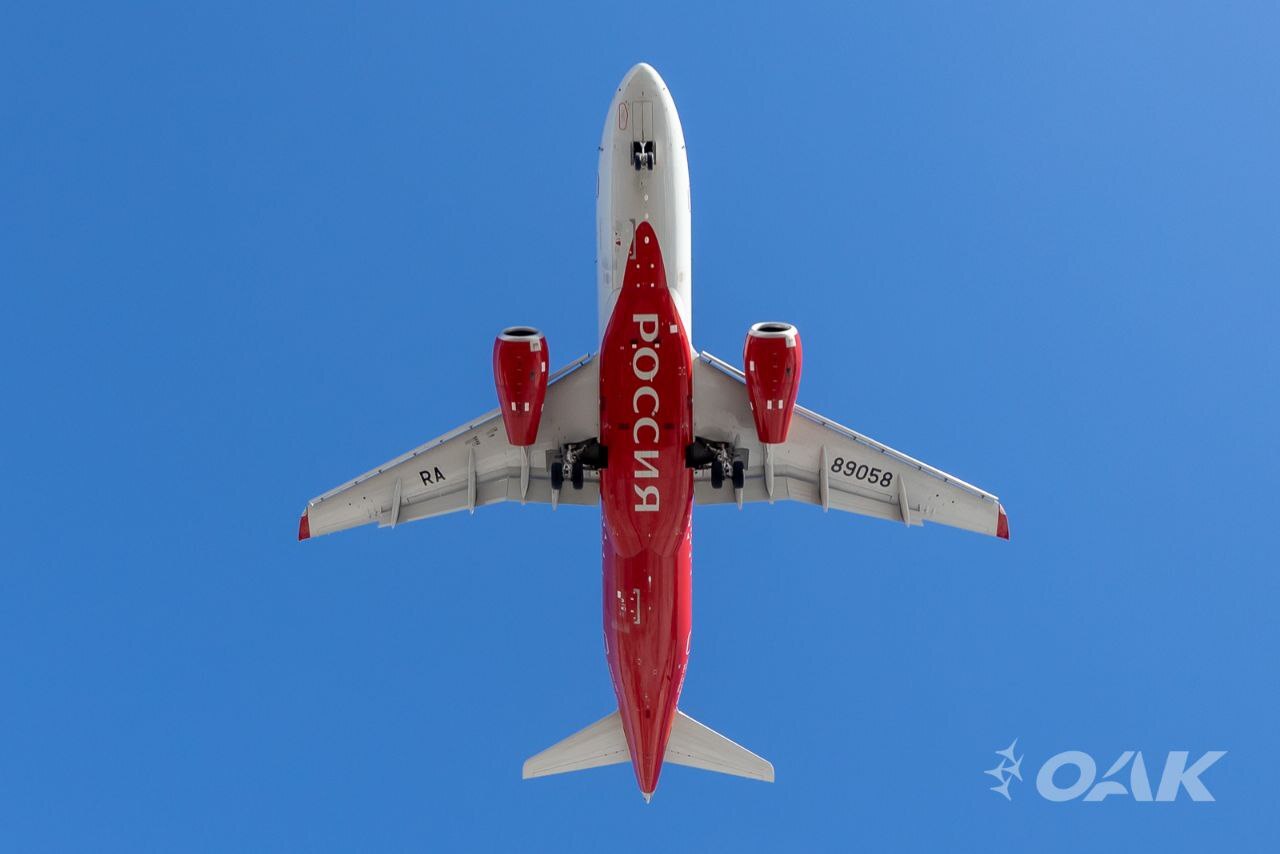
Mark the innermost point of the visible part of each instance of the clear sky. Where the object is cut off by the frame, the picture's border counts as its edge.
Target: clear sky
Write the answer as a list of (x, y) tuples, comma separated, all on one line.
[(249, 250)]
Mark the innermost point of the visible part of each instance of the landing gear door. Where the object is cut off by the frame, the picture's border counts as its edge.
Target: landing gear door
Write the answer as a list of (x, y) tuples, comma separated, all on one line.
[(641, 121)]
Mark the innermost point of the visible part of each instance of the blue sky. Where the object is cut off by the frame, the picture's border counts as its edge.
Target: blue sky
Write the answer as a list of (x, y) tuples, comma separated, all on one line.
[(250, 250)]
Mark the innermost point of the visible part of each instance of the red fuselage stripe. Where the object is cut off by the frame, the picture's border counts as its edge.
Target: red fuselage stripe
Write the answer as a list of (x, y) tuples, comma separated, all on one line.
[(646, 421)]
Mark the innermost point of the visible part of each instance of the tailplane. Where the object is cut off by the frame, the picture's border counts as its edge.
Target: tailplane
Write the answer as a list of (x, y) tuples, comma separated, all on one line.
[(699, 746), (691, 744), (602, 743)]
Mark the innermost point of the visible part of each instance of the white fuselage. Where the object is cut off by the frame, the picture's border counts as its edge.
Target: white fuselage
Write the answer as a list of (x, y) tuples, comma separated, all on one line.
[(643, 111)]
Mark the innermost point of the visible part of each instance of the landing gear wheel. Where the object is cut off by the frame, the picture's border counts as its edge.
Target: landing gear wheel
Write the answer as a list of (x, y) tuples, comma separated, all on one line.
[(557, 475), (717, 474), (576, 474), (739, 474)]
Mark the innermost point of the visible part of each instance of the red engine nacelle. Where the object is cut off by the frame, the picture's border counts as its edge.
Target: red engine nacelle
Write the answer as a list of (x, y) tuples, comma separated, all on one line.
[(520, 372), (772, 358)]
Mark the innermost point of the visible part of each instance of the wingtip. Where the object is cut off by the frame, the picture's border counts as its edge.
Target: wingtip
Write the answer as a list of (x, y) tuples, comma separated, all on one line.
[(1002, 524), (304, 528), (648, 796)]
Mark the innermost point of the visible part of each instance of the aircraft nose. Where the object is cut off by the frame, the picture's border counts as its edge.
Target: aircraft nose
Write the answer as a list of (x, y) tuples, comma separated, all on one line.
[(642, 80)]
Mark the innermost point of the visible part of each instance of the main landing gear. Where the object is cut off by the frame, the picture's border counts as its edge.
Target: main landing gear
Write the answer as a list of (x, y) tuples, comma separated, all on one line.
[(721, 458), (574, 459)]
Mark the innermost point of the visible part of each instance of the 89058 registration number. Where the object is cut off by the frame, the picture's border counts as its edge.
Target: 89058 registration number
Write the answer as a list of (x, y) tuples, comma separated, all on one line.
[(861, 471)]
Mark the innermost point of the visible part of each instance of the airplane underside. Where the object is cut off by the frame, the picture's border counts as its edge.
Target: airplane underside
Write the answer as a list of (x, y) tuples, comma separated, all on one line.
[(646, 429)]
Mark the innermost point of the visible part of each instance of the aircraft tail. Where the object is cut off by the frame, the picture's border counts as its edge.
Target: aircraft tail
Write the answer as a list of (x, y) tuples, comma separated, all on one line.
[(698, 746), (691, 744), (602, 743)]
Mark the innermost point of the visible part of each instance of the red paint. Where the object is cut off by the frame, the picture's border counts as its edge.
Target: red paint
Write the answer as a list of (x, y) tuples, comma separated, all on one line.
[(646, 421), (520, 373), (1002, 524), (304, 528), (772, 359)]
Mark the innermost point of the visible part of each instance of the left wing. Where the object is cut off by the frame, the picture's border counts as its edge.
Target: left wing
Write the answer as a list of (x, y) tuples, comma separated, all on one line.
[(829, 465), (471, 466)]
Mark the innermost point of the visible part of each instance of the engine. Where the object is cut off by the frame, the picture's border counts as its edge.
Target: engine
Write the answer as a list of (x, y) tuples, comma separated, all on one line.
[(520, 372), (772, 359)]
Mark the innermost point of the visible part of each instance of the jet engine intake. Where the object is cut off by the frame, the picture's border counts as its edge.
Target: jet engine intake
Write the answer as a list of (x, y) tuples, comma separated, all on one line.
[(520, 373), (772, 358)]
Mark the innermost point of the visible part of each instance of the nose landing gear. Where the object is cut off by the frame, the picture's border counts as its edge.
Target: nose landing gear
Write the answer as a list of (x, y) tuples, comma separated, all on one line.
[(643, 155)]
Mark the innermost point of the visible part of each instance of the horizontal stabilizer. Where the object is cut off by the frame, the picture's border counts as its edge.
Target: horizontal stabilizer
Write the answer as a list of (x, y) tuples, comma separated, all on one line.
[(699, 746), (602, 743)]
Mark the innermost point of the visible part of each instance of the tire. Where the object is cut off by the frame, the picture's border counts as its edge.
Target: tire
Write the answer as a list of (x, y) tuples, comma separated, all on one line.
[(577, 475), (739, 474), (557, 475), (717, 474)]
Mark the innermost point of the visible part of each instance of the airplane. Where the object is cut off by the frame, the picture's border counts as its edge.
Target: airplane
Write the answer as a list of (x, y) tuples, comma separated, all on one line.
[(644, 429)]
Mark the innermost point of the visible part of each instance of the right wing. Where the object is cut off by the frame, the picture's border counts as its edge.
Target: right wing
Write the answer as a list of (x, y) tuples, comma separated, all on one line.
[(829, 465), (471, 466)]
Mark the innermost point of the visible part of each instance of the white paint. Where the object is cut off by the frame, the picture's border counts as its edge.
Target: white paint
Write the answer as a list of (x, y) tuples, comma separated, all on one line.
[(660, 197)]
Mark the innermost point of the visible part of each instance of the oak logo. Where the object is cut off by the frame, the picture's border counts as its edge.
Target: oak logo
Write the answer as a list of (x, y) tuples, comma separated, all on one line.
[(1073, 775), (1007, 771)]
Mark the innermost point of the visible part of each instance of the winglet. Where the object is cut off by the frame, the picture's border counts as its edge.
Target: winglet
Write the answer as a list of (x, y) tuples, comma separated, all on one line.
[(304, 527), (1002, 524)]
